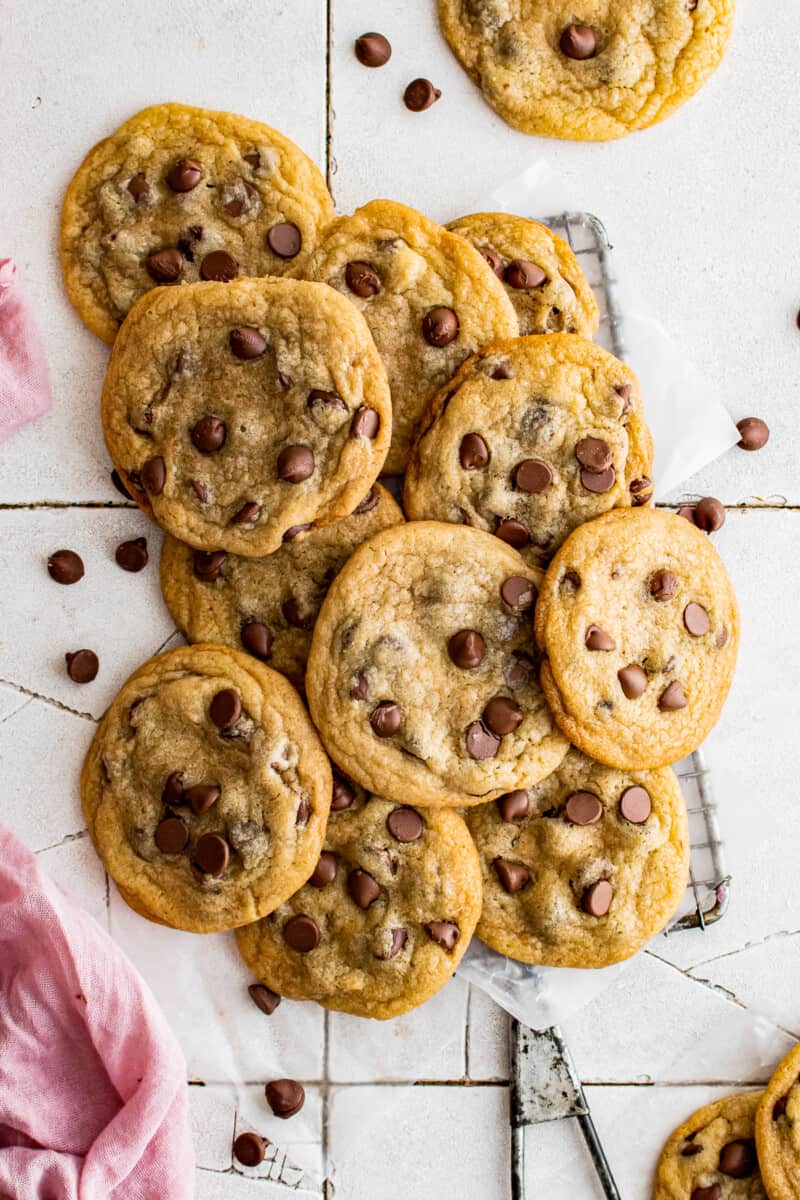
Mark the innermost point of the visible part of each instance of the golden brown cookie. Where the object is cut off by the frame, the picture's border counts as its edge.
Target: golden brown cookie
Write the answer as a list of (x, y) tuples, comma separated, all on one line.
[(422, 672), (591, 70), (429, 298), (778, 1130), (206, 790), (532, 437), (548, 289), (386, 917), (584, 868), (178, 194), (267, 606), (241, 415), (712, 1156), (638, 626)]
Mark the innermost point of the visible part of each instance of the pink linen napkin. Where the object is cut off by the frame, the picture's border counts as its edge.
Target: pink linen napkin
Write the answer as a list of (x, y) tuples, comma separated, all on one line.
[(24, 387), (93, 1095)]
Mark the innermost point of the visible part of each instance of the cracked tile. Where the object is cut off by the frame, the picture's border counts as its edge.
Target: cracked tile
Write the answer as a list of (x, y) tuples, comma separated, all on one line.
[(752, 974), (11, 702), (76, 868)]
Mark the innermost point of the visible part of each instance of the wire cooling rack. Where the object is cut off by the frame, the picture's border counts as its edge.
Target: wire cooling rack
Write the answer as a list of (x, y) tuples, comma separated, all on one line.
[(544, 1083)]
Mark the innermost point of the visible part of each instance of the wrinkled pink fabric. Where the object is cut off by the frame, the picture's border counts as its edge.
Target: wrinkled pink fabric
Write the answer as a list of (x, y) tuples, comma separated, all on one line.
[(93, 1096), (24, 387)]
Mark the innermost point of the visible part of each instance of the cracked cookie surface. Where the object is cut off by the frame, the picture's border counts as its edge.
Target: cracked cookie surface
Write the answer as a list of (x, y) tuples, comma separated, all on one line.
[(778, 1130), (429, 298), (242, 414), (590, 71), (206, 790), (712, 1156), (584, 868), (532, 437), (638, 626), (178, 194), (267, 606), (385, 918), (422, 672)]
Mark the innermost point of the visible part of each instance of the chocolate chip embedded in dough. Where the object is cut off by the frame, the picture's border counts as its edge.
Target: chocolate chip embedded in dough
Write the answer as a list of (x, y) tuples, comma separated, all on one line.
[(737, 1159), (597, 898), (583, 808), (172, 836), (386, 718), (597, 639), (365, 423), (326, 870), (467, 649), (301, 933), (473, 452), (578, 42), (522, 275), (247, 343), (440, 326), (219, 267), (480, 742), (696, 620), (164, 266), (533, 475), (641, 491), (635, 804), (444, 933), (257, 638), (184, 175), (502, 715), (673, 697), (209, 434), (212, 855), (207, 564), (154, 475), (518, 593), (201, 797), (295, 464), (633, 681), (363, 888), (663, 585), (405, 824), (514, 806), (225, 708), (512, 876), (285, 239), (362, 279), (172, 792), (513, 533), (598, 482)]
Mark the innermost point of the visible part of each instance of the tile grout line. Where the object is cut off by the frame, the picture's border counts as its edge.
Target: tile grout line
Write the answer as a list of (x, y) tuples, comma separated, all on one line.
[(328, 95), (752, 504)]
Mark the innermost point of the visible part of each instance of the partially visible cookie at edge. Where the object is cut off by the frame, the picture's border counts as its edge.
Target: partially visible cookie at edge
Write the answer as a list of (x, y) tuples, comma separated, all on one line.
[(778, 1130), (712, 1155)]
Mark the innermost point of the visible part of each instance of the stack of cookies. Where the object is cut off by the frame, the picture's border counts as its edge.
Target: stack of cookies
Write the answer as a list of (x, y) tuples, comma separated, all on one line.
[(391, 727)]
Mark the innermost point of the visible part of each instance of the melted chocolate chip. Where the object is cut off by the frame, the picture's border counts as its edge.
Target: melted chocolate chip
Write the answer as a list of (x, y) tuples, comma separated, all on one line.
[(440, 326), (362, 279), (473, 452), (514, 806), (207, 564), (246, 342), (386, 718), (444, 933)]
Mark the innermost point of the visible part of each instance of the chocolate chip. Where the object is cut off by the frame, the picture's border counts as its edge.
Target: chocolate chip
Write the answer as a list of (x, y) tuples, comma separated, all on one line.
[(709, 514), (420, 94), (294, 531), (691, 1149), (624, 391), (440, 326), (738, 1159), (597, 639), (226, 708), (533, 475), (598, 483), (82, 665), (584, 808), (285, 1097), (132, 555), (518, 672), (494, 260), (444, 933), (365, 423), (360, 689), (635, 805), (673, 697), (513, 876), (321, 402), (370, 501), (295, 464), (116, 479), (65, 566), (295, 615), (154, 475), (209, 434), (285, 240), (184, 175), (696, 620), (518, 593), (405, 824), (663, 585), (501, 716), (164, 266), (207, 564), (754, 433), (362, 279), (373, 50), (363, 889), (264, 998), (172, 836), (514, 806), (188, 242), (249, 1149), (343, 793), (325, 870), (570, 581), (386, 718), (597, 898), (246, 342), (242, 201), (578, 42), (779, 1108), (212, 855), (466, 649), (480, 742), (514, 533), (712, 1192), (641, 491), (257, 638), (633, 681), (399, 939), (301, 934), (502, 370), (303, 813), (594, 454), (523, 274), (201, 797), (473, 452), (219, 266), (172, 792), (139, 188)]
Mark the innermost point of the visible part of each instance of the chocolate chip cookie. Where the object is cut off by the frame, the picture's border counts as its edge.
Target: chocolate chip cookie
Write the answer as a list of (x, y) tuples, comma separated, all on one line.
[(584, 868), (422, 672), (429, 298), (639, 630), (532, 437), (267, 606), (206, 790), (386, 917), (778, 1130), (242, 415), (590, 71), (548, 289), (712, 1156), (179, 194)]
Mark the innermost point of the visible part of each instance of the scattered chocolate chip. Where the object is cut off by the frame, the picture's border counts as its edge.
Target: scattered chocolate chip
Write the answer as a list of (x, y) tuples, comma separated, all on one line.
[(480, 742), (116, 479), (512, 876), (519, 670), (219, 266), (518, 593), (362, 279), (420, 94), (405, 824), (473, 452), (444, 933), (494, 260), (712, 1192), (696, 620), (663, 585), (209, 434), (246, 342), (598, 482), (82, 665), (514, 806), (285, 240), (370, 501), (673, 697), (467, 649), (294, 531), (343, 793), (373, 50), (399, 939), (184, 175), (386, 718), (264, 998), (522, 275), (139, 188), (709, 514), (212, 855), (633, 681), (65, 566), (738, 1159), (578, 42), (440, 326), (294, 614), (533, 475), (754, 433), (132, 555), (594, 454), (363, 889), (584, 808), (172, 836), (257, 638), (686, 512), (514, 533), (360, 689), (325, 870), (597, 639), (295, 464), (226, 708), (501, 715), (365, 423), (641, 491), (172, 792), (201, 797), (164, 266), (154, 475), (249, 1149), (597, 898), (301, 934), (207, 564), (635, 805), (285, 1097)]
